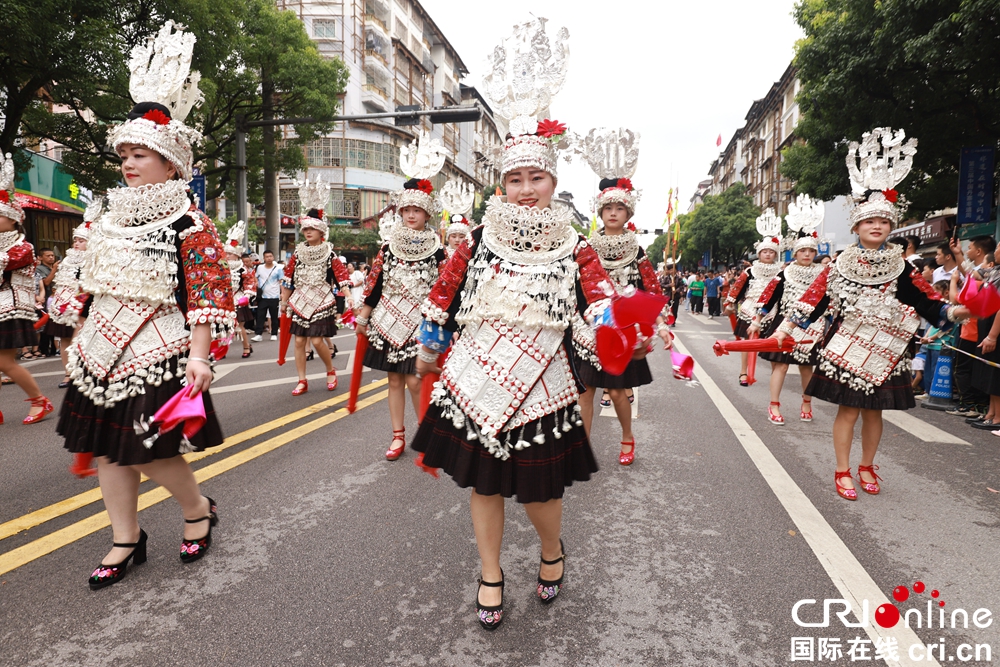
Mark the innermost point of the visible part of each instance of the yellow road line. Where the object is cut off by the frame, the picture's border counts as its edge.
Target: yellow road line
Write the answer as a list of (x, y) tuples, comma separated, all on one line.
[(35, 549), (40, 516)]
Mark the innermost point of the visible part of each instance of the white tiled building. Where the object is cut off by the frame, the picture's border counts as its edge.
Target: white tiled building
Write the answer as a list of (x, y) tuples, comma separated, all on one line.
[(396, 56)]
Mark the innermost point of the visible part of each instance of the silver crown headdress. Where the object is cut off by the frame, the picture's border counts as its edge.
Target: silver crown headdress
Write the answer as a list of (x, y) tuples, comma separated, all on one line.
[(91, 214), (769, 227), (421, 160), (313, 195), (8, 202), (876, 165), (458, 198), (614, 155), (526, 71), (161, 73), (805, 214), (234, 237)]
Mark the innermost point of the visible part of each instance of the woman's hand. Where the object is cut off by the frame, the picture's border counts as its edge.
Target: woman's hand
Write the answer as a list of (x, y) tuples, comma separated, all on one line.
[(780, 336), (988, 345), (668, 340), (199, 377), (361, 329), (425, 367), (754, 328)]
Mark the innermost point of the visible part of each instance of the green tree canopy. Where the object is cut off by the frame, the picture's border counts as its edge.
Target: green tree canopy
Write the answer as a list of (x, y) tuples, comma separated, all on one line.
[(724, 224), (928, 67)]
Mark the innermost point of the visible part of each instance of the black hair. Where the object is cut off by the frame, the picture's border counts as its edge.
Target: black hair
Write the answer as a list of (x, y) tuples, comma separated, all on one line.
[(268, 252), (913, 240), (607, 183), (946, 249), (985, 243), (246, 254), (898, 240), (918, 263), (314, 213), (142, 108), (41, 250), (411, 184)]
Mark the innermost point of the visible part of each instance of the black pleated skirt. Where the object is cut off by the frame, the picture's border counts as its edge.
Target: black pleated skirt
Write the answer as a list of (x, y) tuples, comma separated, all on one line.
[(17, 333), (378, 360), (742, 329), (786, 357), (322, 328), (244, 315), (985, 378), (636, 375), (535, 474), (894, 394), (110, 432)]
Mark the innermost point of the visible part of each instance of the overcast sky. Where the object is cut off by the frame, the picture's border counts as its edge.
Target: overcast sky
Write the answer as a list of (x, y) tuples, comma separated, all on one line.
[(679, 73)]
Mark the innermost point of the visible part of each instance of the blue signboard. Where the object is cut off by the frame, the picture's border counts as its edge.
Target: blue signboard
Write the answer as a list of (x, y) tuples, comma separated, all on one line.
[(941, 381), (975, 185), (823, 249), (198, 189), (706, 259)]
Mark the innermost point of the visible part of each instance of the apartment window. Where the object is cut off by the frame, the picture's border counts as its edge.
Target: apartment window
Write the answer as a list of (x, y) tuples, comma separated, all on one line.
[(353, 153), (324, 28)]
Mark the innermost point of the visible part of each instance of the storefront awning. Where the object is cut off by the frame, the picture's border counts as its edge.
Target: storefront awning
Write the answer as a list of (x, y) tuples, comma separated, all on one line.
[(47, 186)]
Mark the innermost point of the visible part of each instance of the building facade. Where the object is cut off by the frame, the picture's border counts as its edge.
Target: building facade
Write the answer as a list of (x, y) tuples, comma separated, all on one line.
[(396, 56)]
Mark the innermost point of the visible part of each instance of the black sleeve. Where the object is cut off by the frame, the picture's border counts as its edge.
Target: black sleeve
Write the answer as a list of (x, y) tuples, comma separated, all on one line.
[(930, 309), (373, 298), (746, 283), (456, 303), (775, 299), (180, 294)]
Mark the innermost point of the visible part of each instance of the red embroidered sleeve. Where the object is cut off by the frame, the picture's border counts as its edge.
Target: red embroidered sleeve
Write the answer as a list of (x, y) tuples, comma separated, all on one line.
[(768, 292), (737, 287), (249, 284), (375, 273), (289, 271), (594, 279), (650, 282), (451, 273), (340, 272), (18, 257), (918, 281), (209, 289), (815, 292)]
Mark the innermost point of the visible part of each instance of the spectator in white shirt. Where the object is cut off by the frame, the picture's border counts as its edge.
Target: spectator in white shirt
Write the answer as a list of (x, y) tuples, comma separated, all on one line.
[(357, 284), (945, 263)]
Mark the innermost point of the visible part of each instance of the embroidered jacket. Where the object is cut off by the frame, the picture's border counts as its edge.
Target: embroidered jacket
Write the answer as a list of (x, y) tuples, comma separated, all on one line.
[(314, 288), (17, 283), (747, 288)]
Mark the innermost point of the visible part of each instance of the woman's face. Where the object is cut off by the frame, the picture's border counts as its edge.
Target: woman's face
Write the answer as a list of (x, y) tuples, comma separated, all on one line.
[(7, 224), (614, 216), (312, 236), (530, 187), (826, 260), (805, 256), (928, 274), (144, 166), (232, 257), (767, 256), (455, 240), (873, 232), (414, 217), (79, 243)]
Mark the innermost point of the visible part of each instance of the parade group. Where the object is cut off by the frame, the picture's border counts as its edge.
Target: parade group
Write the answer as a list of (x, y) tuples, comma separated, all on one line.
[(507, 314)]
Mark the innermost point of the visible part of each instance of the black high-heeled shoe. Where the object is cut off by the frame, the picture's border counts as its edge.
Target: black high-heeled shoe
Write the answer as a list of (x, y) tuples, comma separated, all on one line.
[(490, 617), (247, 352), (192, 550), (311, 355), (548, 590), (105, 575)]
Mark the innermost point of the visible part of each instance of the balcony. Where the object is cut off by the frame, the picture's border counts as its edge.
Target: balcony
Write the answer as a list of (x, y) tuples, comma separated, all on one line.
[(374, 98), (377, 25)]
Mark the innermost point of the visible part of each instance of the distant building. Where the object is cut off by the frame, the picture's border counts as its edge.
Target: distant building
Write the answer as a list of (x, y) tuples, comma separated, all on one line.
[(770, 127), (727, 169), (396, 56), (704, 189)]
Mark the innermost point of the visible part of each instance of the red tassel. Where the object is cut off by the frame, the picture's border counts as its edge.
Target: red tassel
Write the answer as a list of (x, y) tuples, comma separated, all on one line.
[(81, 465), (419, 462)]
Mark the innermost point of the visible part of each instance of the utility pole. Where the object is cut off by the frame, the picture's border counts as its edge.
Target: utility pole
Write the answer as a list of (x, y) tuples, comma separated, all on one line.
[(452, 114)]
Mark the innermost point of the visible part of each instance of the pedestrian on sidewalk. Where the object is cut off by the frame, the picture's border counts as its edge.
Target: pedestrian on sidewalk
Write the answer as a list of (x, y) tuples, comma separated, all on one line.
[(697, 288), (869, 288), (269, 276), (972, 265), (17, 295), (112, 398), (242, 282), (713, 284)]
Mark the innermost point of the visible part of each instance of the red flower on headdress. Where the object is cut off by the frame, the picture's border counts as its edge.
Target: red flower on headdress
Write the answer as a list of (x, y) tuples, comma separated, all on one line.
[(774, 240), (815, 235), (4, 196), (624, 184), (157, 117), (425, 186), (233, 243), (891, 195), (631, 225), (87, 224), (550, 128)]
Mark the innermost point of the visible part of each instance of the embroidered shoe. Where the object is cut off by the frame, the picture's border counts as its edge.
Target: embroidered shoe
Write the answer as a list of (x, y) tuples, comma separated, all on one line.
[(490, 617), (192, 550), (548, 590), (871, 488), (105, 575)]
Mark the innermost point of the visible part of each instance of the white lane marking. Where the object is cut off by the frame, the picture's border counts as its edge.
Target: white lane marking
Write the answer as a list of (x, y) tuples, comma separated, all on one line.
[(610, 410), (921, 429), (847, 574), (341, 375)]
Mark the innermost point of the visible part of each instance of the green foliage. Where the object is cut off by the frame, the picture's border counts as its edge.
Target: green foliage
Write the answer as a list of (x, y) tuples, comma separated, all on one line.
[(477, 213), (655, 249), (349, 238), (74, 53), (928, 67), (725, 224), (255, 230)]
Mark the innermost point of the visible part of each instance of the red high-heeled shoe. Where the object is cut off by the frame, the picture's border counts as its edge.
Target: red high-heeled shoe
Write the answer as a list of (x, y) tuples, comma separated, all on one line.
[(848, 494), (1, 418), (331, 385), (773, 418), (301, 388), (806, 416), (393, 454), (39, 402), (626, 458), (869, 487)]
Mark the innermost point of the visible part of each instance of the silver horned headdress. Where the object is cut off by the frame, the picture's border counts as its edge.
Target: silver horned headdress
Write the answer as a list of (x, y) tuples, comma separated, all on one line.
[(613, 155), (8, 202), (805, 214), (769, 227), (525, 72), (161, 73), (234, 237), (313, 195), (420, 161), (458, 198), (91, 214), (876, 165)]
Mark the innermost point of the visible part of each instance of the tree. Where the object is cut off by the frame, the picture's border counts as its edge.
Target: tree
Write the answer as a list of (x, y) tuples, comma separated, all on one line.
[(655, 249), (256, 62), (724, 224), (477, 213), (928, 67)]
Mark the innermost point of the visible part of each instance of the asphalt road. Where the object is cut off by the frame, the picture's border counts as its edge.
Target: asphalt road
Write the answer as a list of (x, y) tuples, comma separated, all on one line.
[(326, 554)]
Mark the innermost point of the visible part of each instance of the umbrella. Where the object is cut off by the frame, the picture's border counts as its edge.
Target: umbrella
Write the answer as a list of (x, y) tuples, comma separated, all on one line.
[(683, 365), (284, 336), (618, 329), (359, 364), (722, 347), (180, 409), (81, 465), (982, 301)]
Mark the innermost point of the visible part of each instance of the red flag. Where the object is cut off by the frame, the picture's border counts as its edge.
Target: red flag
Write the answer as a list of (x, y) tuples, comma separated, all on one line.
[(718, 142)]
